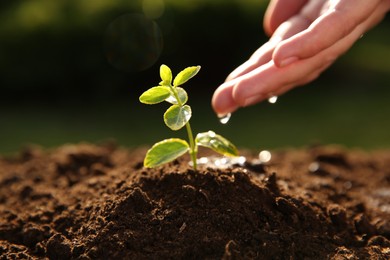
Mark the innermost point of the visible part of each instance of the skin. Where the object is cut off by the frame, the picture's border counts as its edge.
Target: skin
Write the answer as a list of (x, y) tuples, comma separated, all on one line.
[(306, 37)]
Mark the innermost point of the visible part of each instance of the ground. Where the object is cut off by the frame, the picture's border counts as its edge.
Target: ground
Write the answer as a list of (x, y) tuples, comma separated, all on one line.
[(98, 202)]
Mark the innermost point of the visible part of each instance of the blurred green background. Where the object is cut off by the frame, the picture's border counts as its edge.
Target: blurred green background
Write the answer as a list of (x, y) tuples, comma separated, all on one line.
[(72, 71)]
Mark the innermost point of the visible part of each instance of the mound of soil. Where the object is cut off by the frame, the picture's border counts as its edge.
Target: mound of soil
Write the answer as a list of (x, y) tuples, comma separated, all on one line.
[(98, 202)]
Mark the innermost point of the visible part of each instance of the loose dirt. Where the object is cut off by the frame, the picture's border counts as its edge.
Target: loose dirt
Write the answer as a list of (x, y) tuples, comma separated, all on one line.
[(98, 202)]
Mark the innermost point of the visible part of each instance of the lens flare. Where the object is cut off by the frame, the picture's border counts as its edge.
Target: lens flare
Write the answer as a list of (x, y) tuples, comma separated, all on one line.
[(133, 43)]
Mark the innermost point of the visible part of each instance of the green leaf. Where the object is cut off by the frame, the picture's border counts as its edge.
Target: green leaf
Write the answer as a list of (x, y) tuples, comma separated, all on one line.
[(166, 75), (217, 143), (165, 151), (155, 95), (182, 94), (177, 116), (185, 75)]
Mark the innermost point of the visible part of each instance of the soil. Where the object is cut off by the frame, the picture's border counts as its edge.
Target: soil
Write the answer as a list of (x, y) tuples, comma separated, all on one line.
[(98, 202)]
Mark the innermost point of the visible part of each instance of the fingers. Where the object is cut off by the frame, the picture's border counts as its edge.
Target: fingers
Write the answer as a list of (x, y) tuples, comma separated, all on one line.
[(269, 79), (279, 11), (277, 16), (223, 101), (261, 83), (283, 89), (264, 53), (332, 26), (262, 75), (260, 57)]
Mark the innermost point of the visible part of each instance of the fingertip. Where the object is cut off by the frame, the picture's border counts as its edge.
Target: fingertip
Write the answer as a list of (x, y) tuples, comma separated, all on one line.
[(268, 27), (222, 101)]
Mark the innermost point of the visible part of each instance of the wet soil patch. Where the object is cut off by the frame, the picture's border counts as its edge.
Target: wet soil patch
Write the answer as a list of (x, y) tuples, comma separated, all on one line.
[(98, 202)]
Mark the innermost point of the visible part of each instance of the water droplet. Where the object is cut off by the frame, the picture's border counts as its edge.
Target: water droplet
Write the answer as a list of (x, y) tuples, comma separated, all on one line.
[(225, 118), (265, 156), (202, 160), (211, 134), (272, 99), (240, 160), (314, 167), (222, 162)]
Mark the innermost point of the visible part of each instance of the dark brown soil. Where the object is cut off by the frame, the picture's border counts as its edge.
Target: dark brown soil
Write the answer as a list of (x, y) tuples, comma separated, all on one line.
[(98, 202)]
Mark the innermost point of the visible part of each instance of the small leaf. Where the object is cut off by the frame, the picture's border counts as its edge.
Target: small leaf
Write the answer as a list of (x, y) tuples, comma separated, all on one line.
[(165, 151), (185, 75), (217, 143), (177, 116), (182, 96), (166, 75), (155, 95)]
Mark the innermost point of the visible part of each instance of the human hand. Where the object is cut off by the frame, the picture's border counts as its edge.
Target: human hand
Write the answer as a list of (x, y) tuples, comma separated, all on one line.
[(307, 36)]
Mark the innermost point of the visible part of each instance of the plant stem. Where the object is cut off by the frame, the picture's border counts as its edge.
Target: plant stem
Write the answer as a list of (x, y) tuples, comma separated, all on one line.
[(193, 148)]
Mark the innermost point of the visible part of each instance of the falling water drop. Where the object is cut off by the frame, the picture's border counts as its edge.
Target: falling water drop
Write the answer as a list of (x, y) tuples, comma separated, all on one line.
[(273, 99), (225, 118)]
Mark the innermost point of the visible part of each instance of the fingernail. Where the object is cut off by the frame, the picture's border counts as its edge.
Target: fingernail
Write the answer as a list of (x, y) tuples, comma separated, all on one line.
[(288, 61), (220, 115)]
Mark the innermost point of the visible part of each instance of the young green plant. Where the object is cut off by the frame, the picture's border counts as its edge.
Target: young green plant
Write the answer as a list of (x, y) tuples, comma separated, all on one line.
[(176, 117)]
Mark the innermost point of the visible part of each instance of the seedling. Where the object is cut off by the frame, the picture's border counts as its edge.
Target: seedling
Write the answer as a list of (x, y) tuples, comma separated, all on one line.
[(177, 116)]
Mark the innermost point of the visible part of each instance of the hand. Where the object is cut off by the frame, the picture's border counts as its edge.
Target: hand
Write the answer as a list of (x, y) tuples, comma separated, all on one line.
[(307, 36)]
